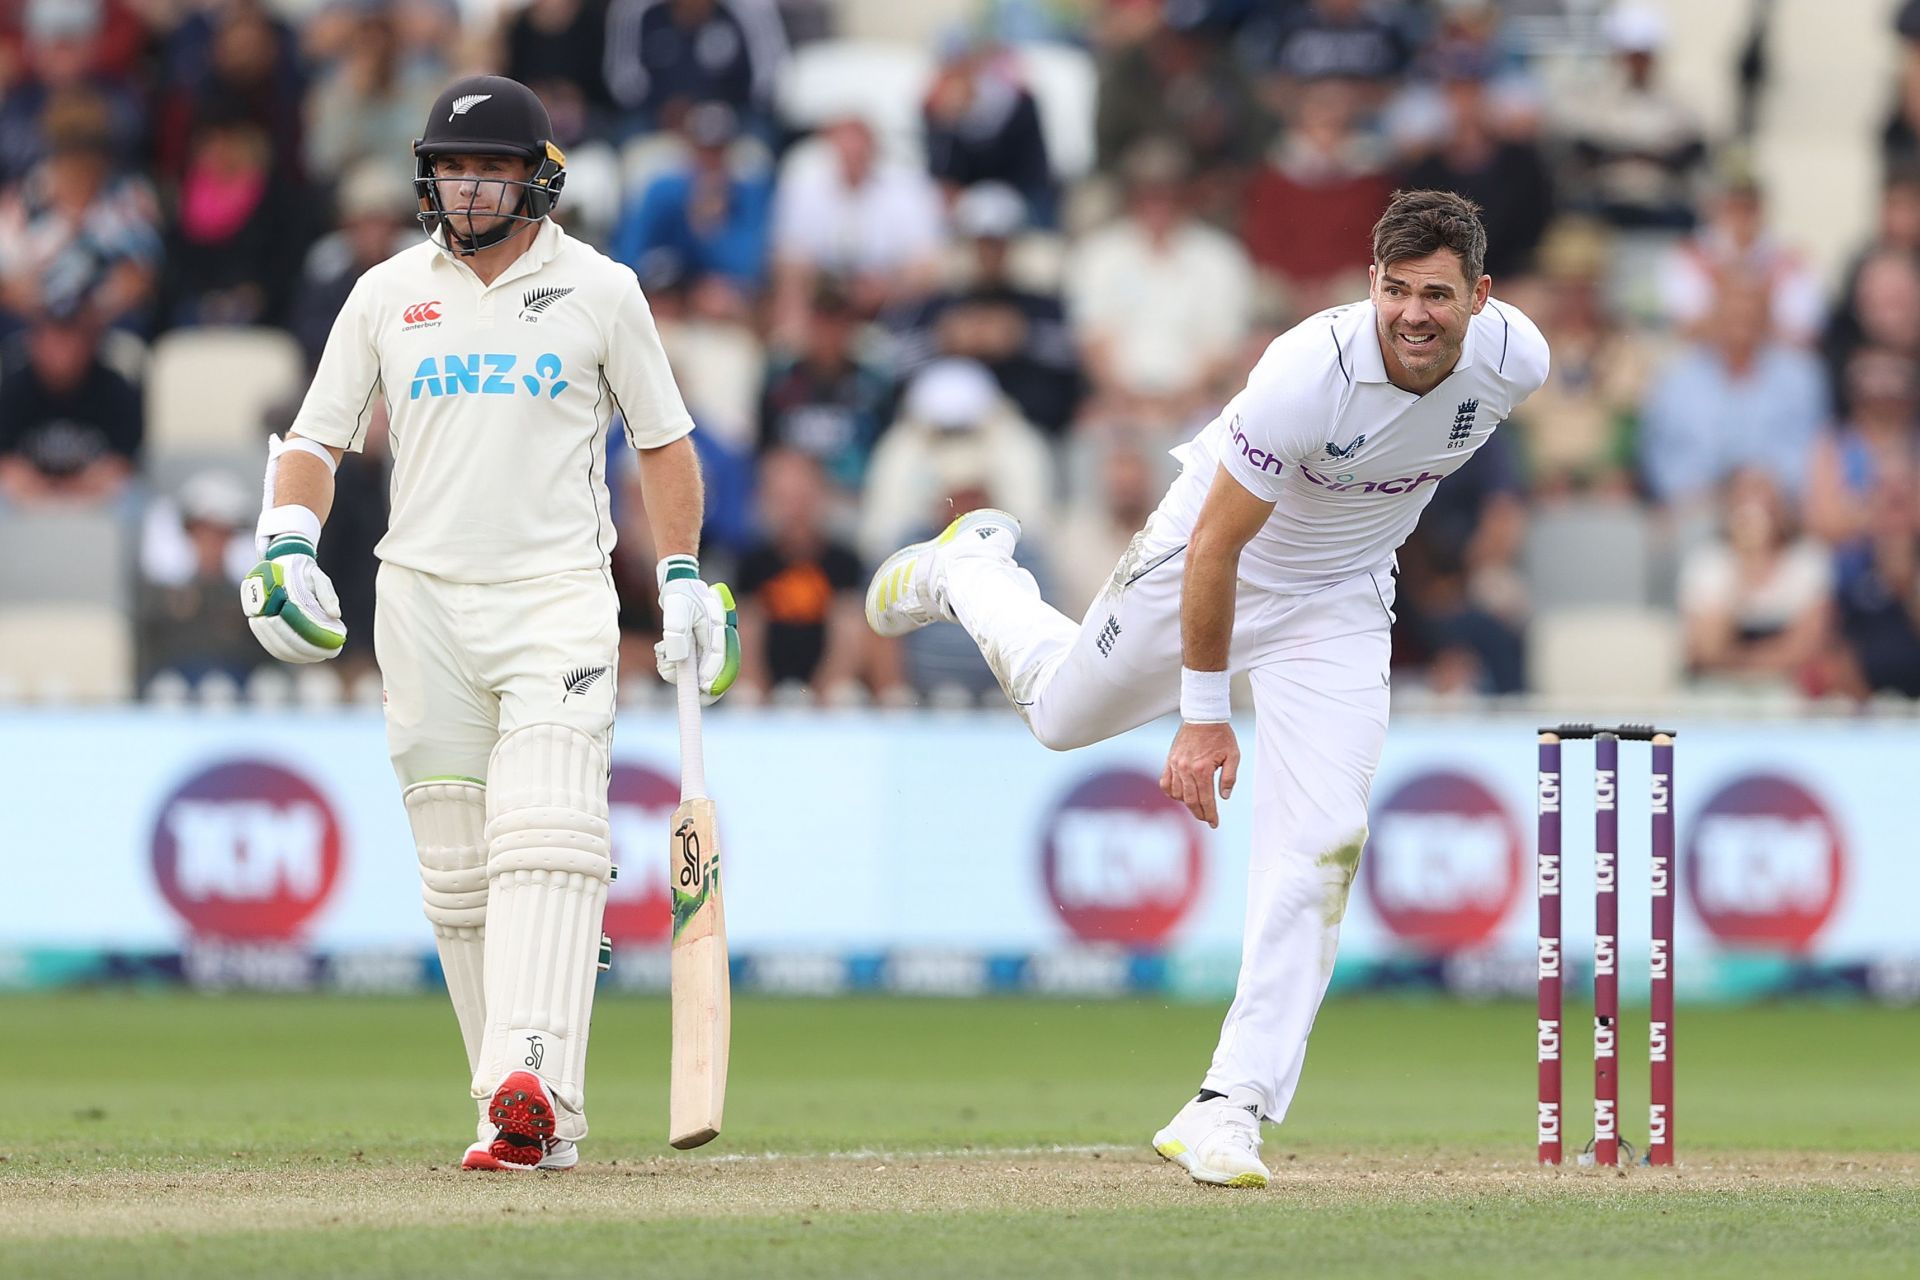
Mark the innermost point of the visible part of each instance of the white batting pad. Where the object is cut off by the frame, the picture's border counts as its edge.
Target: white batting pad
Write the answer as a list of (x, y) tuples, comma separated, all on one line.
[(449, 819), (548, 862)]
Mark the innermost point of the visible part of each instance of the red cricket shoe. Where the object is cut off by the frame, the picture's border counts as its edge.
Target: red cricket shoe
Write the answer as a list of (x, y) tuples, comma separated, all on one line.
[(523, 1141)]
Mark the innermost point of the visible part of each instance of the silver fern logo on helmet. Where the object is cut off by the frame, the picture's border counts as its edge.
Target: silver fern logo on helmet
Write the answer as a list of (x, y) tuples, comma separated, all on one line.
[(465, 103)]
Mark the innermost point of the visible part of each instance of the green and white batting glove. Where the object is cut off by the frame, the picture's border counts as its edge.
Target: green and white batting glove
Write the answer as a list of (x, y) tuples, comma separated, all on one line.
[(291, 605), (698, 624)]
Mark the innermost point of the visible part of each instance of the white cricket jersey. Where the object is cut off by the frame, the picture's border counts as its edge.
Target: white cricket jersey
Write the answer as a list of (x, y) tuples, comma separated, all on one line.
[(499, 397), (1348, 459)]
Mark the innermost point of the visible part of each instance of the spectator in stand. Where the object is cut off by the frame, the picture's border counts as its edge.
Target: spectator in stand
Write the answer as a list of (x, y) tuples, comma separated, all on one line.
[(1577, 432), (1876, 447), (1755, 601), (1310, 208), (70, 426), (184, 616), (371, 102), (956, 433), (717, 358), (1880, 308), (842, 210), (234, 252), (71, 48), (1505, 175), (1161, 301), (119, 31), (227, 59), (1879, 597), (556, 48), (1900, 142), (376, 219), (711, 219), (1353, 40), (663, 56), (1474, 27), (824, 400), (982, 125), (1163, 76), (76, 231), (1735, 398), (1896, 233), (800, 589), (1736, 242), (1020, 334), (1638, 154)]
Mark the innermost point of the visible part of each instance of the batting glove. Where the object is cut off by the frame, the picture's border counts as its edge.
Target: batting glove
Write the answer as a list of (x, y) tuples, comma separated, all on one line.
[(698, 624), (291, 605)]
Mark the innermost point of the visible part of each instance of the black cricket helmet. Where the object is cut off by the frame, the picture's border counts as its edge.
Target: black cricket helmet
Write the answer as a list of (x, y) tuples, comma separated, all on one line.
[(489, 116)]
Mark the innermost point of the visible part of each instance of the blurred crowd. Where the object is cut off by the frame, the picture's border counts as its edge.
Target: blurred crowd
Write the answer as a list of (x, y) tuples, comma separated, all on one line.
[(882, 316)]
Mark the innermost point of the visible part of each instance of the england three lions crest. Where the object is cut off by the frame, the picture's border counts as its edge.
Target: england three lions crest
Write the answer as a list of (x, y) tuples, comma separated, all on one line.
[(1463, 420)]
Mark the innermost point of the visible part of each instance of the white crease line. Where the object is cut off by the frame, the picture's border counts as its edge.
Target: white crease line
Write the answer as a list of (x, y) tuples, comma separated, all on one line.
[(1093, 1149)]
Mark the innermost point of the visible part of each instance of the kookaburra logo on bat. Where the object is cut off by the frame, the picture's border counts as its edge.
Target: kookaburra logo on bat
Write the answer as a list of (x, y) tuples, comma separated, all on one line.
[(691, 871)]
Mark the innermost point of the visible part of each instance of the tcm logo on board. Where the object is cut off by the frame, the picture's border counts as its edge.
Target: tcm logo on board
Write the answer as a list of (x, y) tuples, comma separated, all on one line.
[(1445, 862), (246, 851), (1122, 862), (640, 805), (1764, 863)]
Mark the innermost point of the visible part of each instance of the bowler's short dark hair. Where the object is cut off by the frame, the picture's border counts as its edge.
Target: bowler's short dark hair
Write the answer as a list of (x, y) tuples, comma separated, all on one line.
[(1417, 223)]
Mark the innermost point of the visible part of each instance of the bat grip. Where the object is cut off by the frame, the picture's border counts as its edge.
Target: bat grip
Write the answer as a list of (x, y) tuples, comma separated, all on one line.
[(693, 765)]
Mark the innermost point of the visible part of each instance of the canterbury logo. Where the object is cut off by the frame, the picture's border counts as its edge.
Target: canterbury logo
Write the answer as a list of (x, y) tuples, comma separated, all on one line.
[(421, 312), (580, 679), (466, 103), (535, 301)]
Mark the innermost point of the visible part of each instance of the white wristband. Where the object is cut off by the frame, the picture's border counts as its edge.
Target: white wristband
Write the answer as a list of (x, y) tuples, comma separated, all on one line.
[(675, 566), (1205, 697), (291, 518)]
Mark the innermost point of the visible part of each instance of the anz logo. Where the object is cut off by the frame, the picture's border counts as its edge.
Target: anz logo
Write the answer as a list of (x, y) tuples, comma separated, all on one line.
[(487, 374)]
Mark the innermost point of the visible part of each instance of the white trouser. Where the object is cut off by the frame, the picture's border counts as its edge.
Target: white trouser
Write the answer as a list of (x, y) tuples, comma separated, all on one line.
[(465, 664), (1318, 665), (499, 702)]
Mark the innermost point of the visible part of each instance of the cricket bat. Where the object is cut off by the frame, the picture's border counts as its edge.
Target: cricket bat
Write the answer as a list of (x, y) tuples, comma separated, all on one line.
[(702, 999)]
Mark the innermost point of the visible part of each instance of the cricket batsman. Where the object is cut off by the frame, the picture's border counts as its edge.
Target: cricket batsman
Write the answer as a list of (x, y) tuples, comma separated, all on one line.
[(501, 349), (1272, 554)]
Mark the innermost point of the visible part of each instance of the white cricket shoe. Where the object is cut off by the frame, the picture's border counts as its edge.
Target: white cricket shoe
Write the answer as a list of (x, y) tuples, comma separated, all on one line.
[(522, 1117), (1215, 1141), (908, 591)]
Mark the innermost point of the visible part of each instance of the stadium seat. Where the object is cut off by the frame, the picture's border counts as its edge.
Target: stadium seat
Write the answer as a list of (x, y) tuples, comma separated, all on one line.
[(918, 24), (1602, 653), (1589, 553), (878, 81), (165, 474), (64, 556), (61, 651), (209, 390)]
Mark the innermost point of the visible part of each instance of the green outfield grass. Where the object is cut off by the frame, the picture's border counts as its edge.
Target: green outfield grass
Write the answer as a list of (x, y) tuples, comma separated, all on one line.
[(177, 1135)]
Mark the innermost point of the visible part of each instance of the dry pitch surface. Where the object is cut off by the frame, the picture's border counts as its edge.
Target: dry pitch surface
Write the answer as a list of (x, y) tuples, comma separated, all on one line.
[(1391, 1166)]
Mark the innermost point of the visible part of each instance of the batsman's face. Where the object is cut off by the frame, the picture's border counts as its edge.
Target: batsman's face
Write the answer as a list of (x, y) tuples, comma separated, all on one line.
[(476, 190), (1423, 307)]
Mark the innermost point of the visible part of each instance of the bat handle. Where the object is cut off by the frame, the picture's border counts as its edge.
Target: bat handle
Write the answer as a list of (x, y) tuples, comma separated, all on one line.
[(693, 765)]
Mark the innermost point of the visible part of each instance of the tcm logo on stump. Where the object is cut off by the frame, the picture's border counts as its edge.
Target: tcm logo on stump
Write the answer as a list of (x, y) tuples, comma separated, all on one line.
[(1122, 862), (246, 851), (640, 807), (1764, 863), (1445, 862)]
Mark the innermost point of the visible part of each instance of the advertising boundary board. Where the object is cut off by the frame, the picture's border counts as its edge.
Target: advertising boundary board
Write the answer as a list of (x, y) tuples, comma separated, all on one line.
[(950, 853)]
